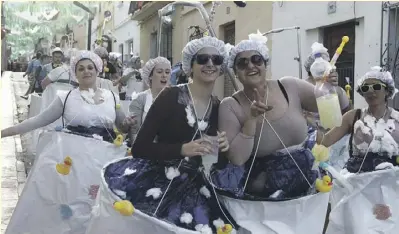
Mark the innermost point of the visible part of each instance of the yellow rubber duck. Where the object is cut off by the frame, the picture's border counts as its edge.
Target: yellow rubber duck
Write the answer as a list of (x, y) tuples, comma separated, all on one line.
[(124, 207), (348, 88), (64, 168), (106, 69), (324, 185), (118, 140), (226, 229), (320, 154)]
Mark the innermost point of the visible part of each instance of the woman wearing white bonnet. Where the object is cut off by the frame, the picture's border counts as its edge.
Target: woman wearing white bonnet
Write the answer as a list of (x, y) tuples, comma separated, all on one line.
[(131, 77), (172, 140), (374, 131), (262, 141), (156, 73), (318, 48)]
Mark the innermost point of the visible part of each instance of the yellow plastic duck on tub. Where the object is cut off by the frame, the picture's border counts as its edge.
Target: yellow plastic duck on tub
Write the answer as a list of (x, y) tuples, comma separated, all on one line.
[(226, 229), (64, 168), (324, 185), (124, 207), (118, 140)]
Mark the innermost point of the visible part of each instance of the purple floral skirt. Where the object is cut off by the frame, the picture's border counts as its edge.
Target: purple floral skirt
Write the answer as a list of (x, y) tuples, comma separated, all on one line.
[(188, 193), (274, 177)]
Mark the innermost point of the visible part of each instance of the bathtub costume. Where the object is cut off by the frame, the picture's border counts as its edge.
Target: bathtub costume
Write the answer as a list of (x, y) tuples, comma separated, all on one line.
[(372, 170), (276, 183), (170, 193), (63, 183)]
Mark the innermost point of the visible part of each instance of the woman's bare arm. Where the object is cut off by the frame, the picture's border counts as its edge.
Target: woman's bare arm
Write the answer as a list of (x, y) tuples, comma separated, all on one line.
[(241, 138), (306, 94), (48, 116), (335, 134)]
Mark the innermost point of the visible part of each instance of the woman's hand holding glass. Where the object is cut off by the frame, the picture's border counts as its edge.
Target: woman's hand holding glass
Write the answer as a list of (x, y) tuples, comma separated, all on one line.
[(198, 147)]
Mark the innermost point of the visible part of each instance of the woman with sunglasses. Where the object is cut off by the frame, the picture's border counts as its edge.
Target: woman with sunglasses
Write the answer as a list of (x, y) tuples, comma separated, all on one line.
[(266, 128), (168, 182), (374, 131), (156, 74)]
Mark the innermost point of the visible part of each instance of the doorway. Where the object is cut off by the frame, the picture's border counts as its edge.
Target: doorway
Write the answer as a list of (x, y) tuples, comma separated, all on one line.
[(346, 61)]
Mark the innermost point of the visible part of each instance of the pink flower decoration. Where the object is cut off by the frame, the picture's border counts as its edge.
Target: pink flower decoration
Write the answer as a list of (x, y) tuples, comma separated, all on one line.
[(382, 212), (93, 191)]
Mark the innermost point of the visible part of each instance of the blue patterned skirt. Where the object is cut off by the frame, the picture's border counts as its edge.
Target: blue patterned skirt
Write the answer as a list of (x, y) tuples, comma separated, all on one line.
[(183, 195), (277, 172)]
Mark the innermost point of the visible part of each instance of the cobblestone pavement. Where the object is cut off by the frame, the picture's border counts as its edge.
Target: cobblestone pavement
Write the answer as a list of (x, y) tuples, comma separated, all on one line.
[(13, 158)]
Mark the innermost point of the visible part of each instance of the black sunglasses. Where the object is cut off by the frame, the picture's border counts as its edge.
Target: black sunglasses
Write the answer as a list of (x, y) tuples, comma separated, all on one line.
[(376, 87), (203, 59), (242, 63)]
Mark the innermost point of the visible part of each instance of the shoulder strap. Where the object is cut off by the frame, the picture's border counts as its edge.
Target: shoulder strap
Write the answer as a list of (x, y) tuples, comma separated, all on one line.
[(235, 98), (63, 108), (283, 90), (357, 117)]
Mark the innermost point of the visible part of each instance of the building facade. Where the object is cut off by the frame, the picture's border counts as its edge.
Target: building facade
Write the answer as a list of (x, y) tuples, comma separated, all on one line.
[(100, 26), (231, 24), (327, 23), (126, 31)]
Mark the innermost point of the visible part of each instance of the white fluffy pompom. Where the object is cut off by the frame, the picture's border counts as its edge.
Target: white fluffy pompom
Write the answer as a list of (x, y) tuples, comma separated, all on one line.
[(258, 36), (171, 172), (205, 191), (129, 171), (218, 223), (186, 218), (203, 229), (154, 192)]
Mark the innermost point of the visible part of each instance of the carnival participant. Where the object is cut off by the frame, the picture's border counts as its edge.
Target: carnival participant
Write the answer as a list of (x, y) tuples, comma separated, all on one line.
[(266, 129), (109, 72), (130, 76), (339, 151), (156, 73), (374, 134), (57, 59), (170, 142), (40, 74), (61, 74), (30, 71), (87, 109), (313, 118)]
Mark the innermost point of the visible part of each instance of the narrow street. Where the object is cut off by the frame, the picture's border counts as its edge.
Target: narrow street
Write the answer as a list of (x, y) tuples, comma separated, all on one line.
[(13, 156)]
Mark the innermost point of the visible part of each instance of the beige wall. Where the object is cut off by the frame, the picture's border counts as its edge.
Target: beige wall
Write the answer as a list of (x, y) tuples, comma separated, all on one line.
[(147, 27), (256, 15), (80, 34)]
